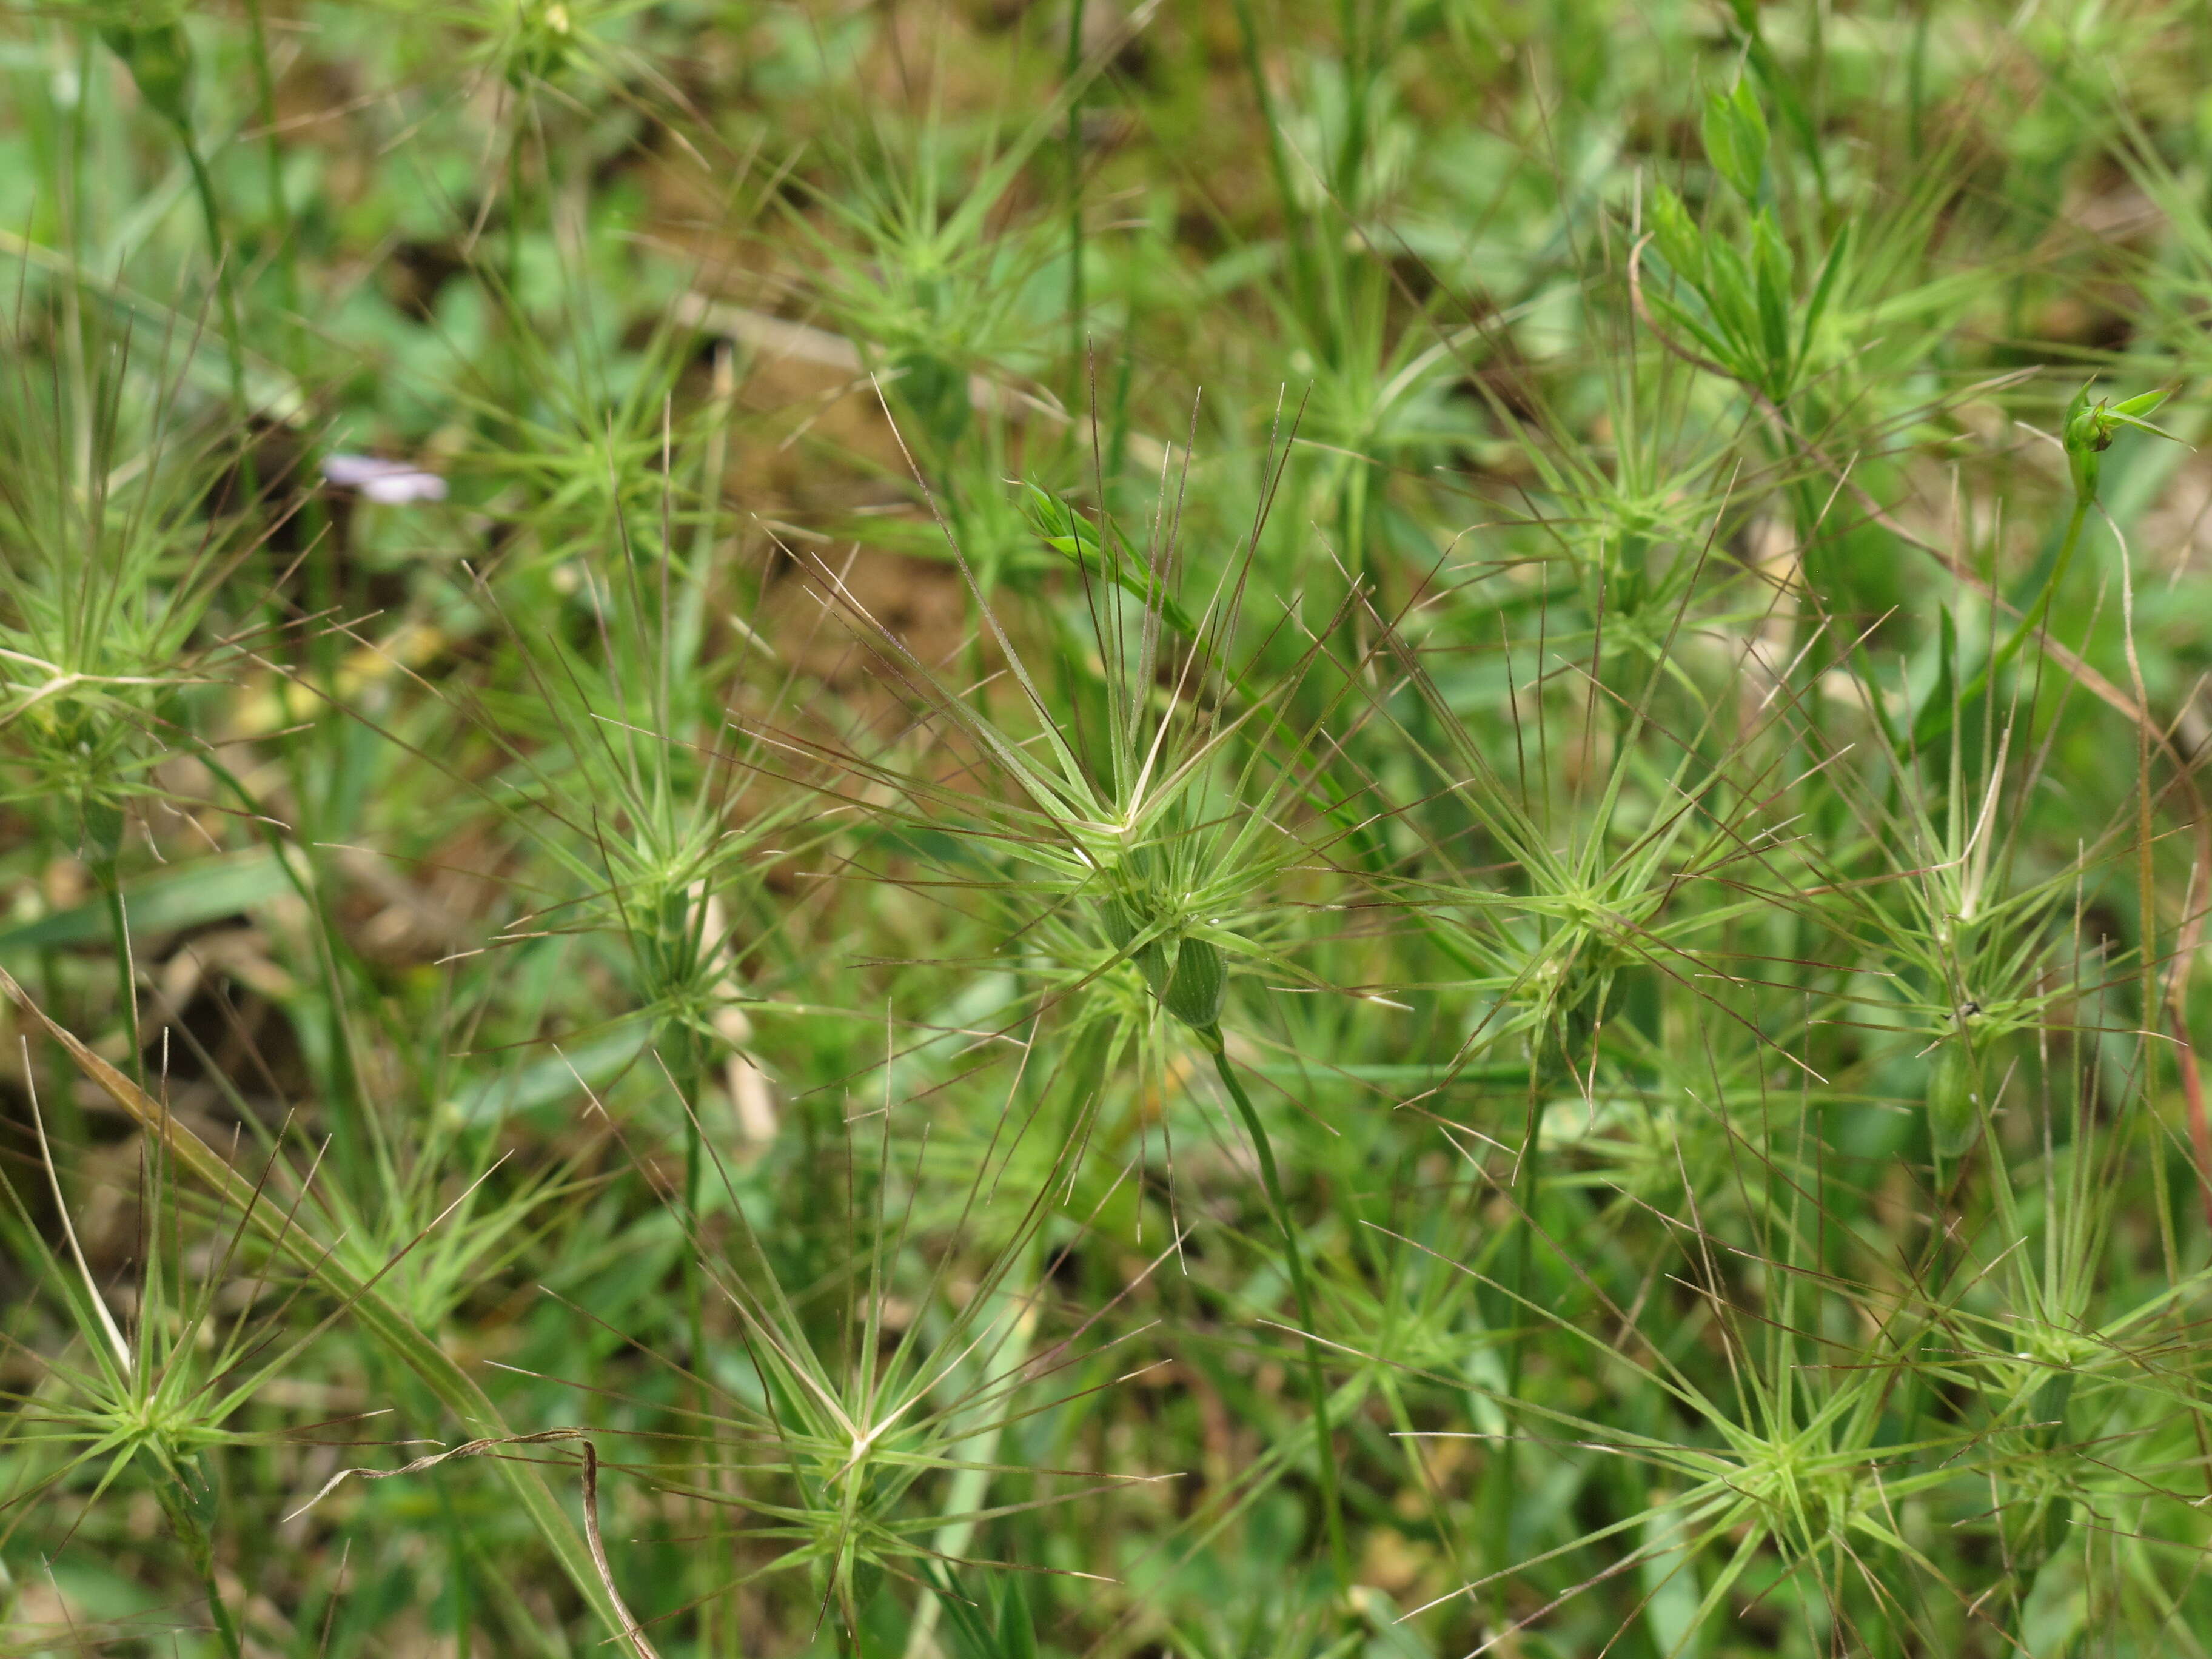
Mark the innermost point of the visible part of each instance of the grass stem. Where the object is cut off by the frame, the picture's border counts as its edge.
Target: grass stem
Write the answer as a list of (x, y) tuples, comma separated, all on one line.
[(177, 1507), (126, 972), (1294, 1260), (234, 332)]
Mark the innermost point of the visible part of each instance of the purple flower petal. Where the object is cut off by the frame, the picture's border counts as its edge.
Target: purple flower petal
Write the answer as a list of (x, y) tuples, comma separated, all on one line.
[(391, 484)]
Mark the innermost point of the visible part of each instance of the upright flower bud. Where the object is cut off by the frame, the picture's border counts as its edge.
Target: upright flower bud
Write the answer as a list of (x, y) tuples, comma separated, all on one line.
[(1735, 134), (1200, 986), (2090, 427), (1954, 1100), (160, 58)]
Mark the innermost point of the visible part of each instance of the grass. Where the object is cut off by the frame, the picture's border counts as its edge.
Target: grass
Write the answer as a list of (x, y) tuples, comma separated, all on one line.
[(1265, 829)]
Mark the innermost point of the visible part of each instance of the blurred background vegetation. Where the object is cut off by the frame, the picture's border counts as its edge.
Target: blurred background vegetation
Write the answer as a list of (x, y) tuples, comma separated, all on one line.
[(1222, 828)]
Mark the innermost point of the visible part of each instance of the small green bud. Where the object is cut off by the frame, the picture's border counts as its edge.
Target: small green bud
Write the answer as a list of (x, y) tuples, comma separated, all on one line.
[(1200, 986), (1954, 1099), (160, 58), (1734, 132), (1060, 526), (102, 820), (2089, 428), (1075, 539), (2085, 445)]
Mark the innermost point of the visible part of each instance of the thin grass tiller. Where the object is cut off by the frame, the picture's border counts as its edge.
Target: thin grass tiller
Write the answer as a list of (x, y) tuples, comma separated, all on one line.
[(1146, 850)]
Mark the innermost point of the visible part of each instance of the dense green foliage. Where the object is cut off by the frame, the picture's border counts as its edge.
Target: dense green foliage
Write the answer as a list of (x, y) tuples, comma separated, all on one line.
[(1220, 828)]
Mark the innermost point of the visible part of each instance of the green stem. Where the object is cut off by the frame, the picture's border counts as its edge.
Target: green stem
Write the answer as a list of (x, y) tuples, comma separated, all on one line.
[(264, 92), (1316, 1382), (66, 1115), (515, 360), (1937, 722), (689, 1073), (1501, 1485), (194, 1538), (457, 1555), (226, 286), (357, 1136), (1297, 245), (1075, 296), (691, 1070), (126, 976), (1356, 70), (2034, 619)]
